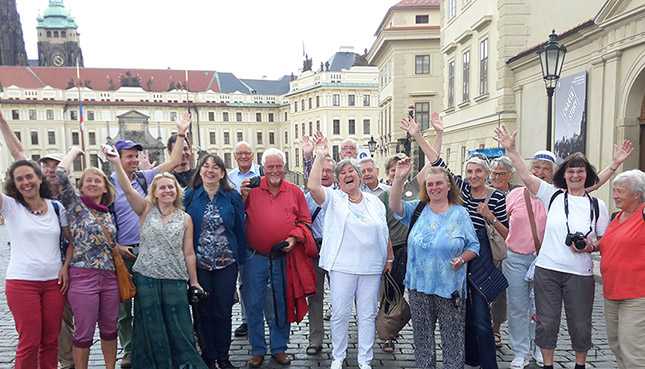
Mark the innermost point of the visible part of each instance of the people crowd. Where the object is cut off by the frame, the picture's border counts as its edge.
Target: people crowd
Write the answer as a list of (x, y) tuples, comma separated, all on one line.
[(470, 253)]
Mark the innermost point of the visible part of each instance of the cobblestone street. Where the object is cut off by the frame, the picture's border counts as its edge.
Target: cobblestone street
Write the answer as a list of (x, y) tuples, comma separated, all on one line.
[(403, 357)]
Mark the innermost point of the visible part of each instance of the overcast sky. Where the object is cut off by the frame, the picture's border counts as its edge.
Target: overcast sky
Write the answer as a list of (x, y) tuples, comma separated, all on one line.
[(251, 38)]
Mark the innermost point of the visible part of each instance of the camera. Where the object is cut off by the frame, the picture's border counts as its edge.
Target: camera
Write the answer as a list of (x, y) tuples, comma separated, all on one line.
[(255, 182), (578, 240), (196, 295), (456, 299)]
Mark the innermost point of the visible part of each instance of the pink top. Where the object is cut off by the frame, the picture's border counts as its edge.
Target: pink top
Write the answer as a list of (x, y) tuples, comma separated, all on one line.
[(520, 237)]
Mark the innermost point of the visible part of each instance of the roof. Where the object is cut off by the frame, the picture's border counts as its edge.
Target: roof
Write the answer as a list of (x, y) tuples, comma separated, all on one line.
[(267, 87), (56, 16), (408, 4), (534, 49)]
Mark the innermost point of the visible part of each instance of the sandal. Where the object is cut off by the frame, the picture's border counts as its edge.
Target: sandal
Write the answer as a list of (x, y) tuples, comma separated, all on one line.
[(498, 340), (388, 346), (314, 349)]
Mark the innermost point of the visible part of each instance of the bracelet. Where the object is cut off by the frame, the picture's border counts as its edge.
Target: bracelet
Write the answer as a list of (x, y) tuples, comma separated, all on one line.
[(593, 245), (612, 169), (461, 259), (390, 260), (181, 135)]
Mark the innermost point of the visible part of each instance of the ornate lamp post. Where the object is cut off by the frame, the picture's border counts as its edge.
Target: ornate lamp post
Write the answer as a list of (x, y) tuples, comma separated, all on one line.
[(371, 144), (551, 60)]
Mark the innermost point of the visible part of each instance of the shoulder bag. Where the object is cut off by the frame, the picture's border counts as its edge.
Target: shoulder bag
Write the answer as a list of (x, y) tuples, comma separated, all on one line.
[(393, 314), (497, 244)]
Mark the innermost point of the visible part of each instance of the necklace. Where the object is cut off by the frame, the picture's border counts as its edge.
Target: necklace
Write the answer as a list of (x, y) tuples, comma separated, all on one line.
[(358, 199), (35, 212), (168, 213)]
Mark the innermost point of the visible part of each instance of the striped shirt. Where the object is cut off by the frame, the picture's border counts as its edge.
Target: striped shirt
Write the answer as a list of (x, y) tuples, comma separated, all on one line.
[(496, 204)]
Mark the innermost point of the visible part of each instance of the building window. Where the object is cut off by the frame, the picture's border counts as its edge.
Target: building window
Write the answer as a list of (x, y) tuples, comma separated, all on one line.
[(49, 33), (94, 160), (286, 137), (259, 138), (51, 138), (270, 117), (227, 138), (317, 126), (211, 116), (258, 157), (336, 100), (17, 134), (90, 115), (336, 126), (317, 101), (482, 146), (34, 137), (351, 100), (452, 8), (63, 34), (55, 34), (49, 113), (78, 164), (309, 103), (92, 138), (366, 100), (303, 129), (238, 116), (422, 114), (463, 155), (352, 126), (32, 114), (297, 158), (422, 64), (302, 104), (447, 155), (227, 159), (240, 137), (73, 115), (483, 67), (271, 138), (422, 19), (15, 114), (334, 153), (311, 128), (173, 116), (286, 157), (295, 106), (286, 115), (212, 137), (451, 84), (466, 76), (225, 116), (296, 131), (75, 140), (258, 117), (366, 126), (35, 157)]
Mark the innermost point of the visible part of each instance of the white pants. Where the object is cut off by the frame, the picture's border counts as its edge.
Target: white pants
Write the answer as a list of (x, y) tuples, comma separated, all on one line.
[(344, 287)]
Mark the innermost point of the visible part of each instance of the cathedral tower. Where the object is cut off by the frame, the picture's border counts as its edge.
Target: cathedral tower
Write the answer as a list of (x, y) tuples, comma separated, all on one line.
[(58, 40), (12, 45)]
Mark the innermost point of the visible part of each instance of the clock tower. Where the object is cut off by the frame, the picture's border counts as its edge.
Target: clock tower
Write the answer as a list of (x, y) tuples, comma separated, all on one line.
[(58, 39)]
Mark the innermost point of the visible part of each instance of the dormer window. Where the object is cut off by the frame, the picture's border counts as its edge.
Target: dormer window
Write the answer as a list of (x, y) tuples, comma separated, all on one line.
[(422, 19)]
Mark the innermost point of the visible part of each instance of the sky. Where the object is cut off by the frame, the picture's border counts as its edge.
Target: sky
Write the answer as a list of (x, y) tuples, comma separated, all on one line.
[(250, 38)]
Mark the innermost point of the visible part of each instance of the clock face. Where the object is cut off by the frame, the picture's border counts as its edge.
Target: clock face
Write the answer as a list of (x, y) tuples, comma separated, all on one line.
[(58, 59)]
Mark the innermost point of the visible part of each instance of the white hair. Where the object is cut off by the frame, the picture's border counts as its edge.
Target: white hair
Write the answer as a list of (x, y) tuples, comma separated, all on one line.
[(272, 151), (350, 140), (239, 143), (368, 160), (634, 179), (504, 163)]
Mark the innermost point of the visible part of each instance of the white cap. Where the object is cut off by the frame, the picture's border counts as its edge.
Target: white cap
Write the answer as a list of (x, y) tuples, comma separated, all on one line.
[(544, 155)]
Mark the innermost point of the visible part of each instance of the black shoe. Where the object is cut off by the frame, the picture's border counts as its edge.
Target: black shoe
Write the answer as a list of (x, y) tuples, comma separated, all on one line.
[(210, 363), (242, 330), (225, 364)]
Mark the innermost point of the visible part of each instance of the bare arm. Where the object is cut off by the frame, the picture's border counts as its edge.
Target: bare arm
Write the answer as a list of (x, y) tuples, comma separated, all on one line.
[(137, 202), (620, 154), (390, 257), (412, 127), (69, 158), (437, 124), (13, 144), (314, 184), (403, 167), (175, 157), (189, 254), (507, 140)]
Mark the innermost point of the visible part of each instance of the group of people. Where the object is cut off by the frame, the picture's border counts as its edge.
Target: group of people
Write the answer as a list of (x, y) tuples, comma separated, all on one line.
[(176, 227)]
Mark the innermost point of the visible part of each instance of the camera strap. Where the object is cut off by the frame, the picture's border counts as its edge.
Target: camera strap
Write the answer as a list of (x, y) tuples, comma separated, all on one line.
[(591, 212)]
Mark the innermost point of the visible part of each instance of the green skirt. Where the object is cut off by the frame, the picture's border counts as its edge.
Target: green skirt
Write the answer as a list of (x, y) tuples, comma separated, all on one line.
[(163, 335)]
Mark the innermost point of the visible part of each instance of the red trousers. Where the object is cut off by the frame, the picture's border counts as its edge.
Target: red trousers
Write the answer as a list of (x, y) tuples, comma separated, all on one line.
[(37, 309)]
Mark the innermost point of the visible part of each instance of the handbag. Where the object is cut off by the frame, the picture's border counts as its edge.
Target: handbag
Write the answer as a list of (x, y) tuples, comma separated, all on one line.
[(127, 289), (393, 314), (497, 244)]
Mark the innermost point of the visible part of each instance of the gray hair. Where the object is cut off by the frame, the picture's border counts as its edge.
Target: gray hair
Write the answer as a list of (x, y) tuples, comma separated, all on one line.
[(272, 151), (535, 161), (239, 143), (353, 163), (503, 162), (479, 159), (331, 160), (635, 180), (368, 160), (350, 140)]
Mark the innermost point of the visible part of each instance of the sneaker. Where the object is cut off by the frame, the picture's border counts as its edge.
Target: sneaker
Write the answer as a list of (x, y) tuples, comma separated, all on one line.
[(242, 330), (365, 366), (327, 315), (126, 362), (537, 355), (519, 363), (336, 364)]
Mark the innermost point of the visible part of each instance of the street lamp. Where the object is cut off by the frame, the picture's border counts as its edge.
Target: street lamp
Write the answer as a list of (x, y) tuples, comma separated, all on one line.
[(551, 60), (371, 144)]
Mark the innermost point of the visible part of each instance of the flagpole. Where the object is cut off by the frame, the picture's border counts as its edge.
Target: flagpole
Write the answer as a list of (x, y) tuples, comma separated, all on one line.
[(189, 135), (80, 114)]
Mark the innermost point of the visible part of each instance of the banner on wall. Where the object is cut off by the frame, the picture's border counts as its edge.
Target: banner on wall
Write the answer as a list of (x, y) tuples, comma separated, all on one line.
[(570, 115)]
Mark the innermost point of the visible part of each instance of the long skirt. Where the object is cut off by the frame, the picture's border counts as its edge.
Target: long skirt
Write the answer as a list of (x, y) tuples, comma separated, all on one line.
[(163, 335)]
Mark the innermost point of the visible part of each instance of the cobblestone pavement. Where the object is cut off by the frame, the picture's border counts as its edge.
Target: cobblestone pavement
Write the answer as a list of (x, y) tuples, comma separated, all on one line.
[(403, 357)]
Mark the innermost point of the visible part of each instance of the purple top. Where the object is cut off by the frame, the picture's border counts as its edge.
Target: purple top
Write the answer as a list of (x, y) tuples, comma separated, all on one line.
[(127, 220)]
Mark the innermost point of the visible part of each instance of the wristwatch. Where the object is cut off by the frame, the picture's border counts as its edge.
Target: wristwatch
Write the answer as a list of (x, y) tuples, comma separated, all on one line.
[(493, 221)]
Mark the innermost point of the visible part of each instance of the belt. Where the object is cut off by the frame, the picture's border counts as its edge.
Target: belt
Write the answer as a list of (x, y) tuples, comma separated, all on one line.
[(257, 252)]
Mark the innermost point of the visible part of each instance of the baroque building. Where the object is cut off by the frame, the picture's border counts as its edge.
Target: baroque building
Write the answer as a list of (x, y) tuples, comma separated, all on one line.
[(58, 37), (12, 45)]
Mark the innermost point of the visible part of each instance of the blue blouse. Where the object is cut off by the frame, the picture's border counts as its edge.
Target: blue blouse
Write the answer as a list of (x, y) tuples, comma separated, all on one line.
[(434, 241)]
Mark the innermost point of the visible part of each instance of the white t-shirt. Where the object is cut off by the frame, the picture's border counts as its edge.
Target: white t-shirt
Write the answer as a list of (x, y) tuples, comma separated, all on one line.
[(35, 241), (554, 254)]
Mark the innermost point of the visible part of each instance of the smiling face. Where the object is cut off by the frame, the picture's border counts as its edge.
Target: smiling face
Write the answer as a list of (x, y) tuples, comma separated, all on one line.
[(27, 182), (327, 178), (500, 178), (575, 178), (49, 169), (369, 174), (211, 173), (348, 179), (244, 157), (437, 187), (93, 187), (274, 170), (185, 154), (348, 150), (130, 160), (623, 196), (476, 175), (165, 191), (543, 170)]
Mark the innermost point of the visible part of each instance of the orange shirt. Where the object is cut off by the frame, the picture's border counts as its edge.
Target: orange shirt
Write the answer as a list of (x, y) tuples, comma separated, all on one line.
[(623, 258)]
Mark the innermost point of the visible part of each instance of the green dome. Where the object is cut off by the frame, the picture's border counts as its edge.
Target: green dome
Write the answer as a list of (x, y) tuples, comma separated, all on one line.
[(56, 17)]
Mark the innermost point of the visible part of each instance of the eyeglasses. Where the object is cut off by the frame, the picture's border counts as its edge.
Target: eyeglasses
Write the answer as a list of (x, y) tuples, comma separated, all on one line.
[(244, 153), (478, 156), (351, 148), (546, 169), (499, 174)]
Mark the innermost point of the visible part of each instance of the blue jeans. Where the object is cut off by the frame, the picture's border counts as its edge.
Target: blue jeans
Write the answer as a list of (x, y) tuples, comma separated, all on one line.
[(256, 274), (480, 341), (215, 311)]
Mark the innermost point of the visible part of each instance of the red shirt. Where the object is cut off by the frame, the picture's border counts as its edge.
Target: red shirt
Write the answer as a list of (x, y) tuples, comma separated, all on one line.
[(269, 218), (623, 258)]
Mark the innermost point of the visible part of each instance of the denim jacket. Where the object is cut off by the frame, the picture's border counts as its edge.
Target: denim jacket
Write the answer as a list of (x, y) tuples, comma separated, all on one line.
[(231, 208)]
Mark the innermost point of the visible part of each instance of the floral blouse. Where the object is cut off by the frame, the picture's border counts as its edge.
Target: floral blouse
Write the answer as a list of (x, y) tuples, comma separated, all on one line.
[(91, 248)]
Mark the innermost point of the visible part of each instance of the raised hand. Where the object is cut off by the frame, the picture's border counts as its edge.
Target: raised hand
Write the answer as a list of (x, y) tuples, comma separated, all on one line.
[(184, 124), (409, 125), (403, 168), (322, 148), (144, 161), (307, 146), (436, 121), (620, 154), (111, 158), (504, 137)]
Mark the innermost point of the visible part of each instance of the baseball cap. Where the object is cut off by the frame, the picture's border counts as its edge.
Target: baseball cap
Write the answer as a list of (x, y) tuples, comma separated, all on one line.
[(544, 155), (54, 156), (127, 144)]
